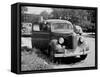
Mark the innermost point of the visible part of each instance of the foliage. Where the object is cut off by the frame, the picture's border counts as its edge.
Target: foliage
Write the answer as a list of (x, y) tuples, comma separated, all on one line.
[(84, 18)]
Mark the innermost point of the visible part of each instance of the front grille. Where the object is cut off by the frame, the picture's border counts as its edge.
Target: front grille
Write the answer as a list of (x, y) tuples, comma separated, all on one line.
[(68, 39), (68, 42)]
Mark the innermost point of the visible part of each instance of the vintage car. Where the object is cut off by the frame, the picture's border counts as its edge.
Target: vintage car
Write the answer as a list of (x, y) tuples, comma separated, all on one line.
[(59, 38)]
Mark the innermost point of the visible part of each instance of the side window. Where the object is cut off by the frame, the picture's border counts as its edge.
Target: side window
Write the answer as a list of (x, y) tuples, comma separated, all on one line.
[(41, 27), (45, 27), (36, 27)]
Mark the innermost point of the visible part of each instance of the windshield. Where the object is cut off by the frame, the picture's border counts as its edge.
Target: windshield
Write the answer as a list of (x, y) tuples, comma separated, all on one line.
[(61, 27)]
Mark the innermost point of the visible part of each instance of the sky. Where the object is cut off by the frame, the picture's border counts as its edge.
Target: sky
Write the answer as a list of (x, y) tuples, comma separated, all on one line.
[(37, 10)]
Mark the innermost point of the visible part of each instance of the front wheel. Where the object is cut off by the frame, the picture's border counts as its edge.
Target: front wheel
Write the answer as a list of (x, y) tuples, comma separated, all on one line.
[(82, 57)]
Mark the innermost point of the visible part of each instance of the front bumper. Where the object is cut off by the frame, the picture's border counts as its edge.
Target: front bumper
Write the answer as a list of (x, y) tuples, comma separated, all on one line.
[(70, 53)]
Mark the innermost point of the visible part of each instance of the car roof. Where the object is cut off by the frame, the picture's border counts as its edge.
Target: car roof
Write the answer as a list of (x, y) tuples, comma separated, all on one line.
[(57, 21)]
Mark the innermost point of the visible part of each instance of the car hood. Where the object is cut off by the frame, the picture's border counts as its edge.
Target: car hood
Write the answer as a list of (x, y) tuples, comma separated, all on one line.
[(62, 34)]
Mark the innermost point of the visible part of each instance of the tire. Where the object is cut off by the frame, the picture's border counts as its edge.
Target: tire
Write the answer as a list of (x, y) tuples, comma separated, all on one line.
[(51, 54), (82, 57)]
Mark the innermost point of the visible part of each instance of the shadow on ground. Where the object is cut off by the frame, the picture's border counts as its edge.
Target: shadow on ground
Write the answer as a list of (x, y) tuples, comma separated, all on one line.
[(63, 60), (68, 60)]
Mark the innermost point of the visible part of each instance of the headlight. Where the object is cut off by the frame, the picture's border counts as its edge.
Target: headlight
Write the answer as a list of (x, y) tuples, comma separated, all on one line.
[(61, 40), (81, 39)]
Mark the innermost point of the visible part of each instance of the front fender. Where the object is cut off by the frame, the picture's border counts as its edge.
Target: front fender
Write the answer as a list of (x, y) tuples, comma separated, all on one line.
[(53, 44), (84, 46)]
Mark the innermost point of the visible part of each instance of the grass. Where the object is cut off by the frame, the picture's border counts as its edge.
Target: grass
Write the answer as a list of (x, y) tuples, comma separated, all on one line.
[(31, 61)]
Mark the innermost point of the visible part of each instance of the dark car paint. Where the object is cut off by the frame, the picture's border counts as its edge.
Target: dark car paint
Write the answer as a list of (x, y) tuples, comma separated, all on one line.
[(42, 39)]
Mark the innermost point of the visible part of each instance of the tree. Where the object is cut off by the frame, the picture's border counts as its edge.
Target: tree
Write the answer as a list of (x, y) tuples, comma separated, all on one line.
[(24, 9), (44, 14), (83, 18)]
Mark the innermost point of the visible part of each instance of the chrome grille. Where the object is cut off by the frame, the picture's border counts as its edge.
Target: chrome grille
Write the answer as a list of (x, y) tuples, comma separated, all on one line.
[(68, 42)]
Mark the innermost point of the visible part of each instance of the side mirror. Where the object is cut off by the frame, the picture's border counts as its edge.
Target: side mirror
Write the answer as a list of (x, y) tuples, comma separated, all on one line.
[(78, 30)]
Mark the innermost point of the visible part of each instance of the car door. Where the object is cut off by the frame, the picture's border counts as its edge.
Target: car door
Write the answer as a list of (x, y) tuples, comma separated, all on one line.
[(40, 37)]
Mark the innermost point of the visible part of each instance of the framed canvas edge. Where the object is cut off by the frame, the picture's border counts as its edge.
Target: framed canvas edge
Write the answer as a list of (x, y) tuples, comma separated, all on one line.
[(18, 39)]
